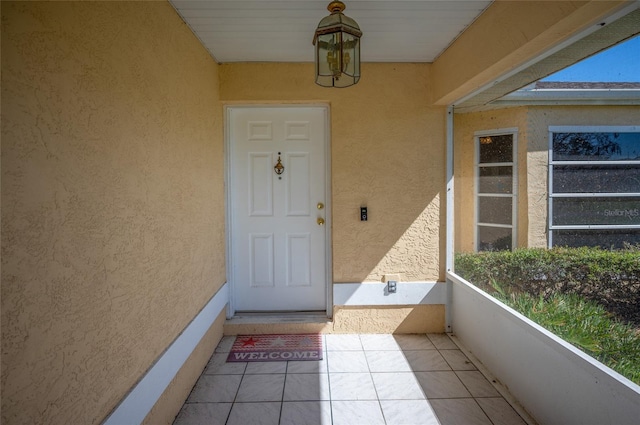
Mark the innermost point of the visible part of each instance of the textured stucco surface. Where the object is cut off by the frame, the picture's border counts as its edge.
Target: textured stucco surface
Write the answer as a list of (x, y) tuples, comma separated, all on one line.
[(533, 124), (387, 152), (465, 125), (112, 200), (390, 320)]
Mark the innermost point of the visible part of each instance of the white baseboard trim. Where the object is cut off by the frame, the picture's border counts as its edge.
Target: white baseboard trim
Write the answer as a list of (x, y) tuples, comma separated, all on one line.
[(146, 393), (375, 293)]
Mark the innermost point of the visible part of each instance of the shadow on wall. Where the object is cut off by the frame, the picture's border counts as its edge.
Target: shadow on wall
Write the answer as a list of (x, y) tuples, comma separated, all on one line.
[(390, 319), (401, 181)]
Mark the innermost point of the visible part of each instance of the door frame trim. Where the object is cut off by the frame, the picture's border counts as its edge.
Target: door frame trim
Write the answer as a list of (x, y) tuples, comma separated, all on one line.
[(231, 310)]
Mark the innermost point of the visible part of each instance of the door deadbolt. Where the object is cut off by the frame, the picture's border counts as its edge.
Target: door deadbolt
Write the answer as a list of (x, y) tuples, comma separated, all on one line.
[(320, 205)]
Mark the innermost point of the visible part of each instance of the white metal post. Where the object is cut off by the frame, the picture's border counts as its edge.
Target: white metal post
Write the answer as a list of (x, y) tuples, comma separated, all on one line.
[(449, 244)]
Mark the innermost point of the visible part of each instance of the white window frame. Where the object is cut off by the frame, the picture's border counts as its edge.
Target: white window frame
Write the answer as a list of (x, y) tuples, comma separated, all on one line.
[(552, 195), (513, 131)]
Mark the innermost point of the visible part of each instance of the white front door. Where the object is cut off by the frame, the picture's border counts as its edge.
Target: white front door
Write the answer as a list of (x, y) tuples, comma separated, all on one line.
[(278, 230)]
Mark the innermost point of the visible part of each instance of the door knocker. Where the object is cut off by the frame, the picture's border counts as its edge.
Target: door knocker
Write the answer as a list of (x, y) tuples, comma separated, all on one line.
[(279, 168)]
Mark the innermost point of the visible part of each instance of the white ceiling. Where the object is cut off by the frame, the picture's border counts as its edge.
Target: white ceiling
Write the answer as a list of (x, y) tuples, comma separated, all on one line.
[(282, 31)]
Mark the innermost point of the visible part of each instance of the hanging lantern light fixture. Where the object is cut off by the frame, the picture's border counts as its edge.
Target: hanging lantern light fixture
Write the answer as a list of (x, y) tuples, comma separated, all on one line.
[(337, 49)]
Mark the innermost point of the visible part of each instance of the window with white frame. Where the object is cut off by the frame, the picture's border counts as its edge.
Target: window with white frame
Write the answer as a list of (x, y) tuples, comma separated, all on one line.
[(496, 189), (594, 186)]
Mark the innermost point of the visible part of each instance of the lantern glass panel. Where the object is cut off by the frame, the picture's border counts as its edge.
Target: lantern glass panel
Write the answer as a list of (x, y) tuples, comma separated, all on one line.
[(336, 67), (325, 48)]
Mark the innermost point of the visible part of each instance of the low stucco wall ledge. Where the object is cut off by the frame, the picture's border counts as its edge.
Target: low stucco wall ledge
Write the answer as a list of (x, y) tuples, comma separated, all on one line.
[(554, 381), (143, 396)]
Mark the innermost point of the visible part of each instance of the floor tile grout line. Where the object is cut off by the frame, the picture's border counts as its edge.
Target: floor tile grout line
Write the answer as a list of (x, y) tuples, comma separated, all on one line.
[(284, 388), (482, 410), (235, 397), (325, 353), (495, 383), (467, 388), (330, 393), (374, 382)]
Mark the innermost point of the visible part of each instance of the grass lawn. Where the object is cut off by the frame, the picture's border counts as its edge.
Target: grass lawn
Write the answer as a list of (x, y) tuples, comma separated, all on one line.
[(586, 325)]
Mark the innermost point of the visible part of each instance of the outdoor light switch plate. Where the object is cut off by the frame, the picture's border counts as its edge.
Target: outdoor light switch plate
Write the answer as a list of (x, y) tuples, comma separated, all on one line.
[(363, 214), (392, 286)]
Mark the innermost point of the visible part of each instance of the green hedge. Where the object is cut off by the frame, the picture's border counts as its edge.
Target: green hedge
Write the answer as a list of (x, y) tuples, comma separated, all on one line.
[(610, 278)]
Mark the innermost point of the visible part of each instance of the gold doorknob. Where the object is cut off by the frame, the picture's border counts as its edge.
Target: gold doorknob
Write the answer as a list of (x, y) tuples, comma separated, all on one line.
[(320, 205), (320, 221)]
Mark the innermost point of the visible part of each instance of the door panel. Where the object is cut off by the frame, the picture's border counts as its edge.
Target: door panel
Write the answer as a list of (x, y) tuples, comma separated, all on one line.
[(260, 186), (298, 201), (278, 249), (261, 261), (299, 259)]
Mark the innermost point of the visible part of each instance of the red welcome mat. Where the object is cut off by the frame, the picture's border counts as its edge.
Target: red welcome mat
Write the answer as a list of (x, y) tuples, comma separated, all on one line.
[(276, 348)]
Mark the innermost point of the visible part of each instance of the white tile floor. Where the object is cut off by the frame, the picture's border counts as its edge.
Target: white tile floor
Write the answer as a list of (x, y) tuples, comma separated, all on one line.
[(363, 379)]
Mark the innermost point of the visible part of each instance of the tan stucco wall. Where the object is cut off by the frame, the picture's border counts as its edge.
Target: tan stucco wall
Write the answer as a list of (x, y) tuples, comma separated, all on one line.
[(465, 125), (390, 320), (387, 152), (112, 200), (533, 143)]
